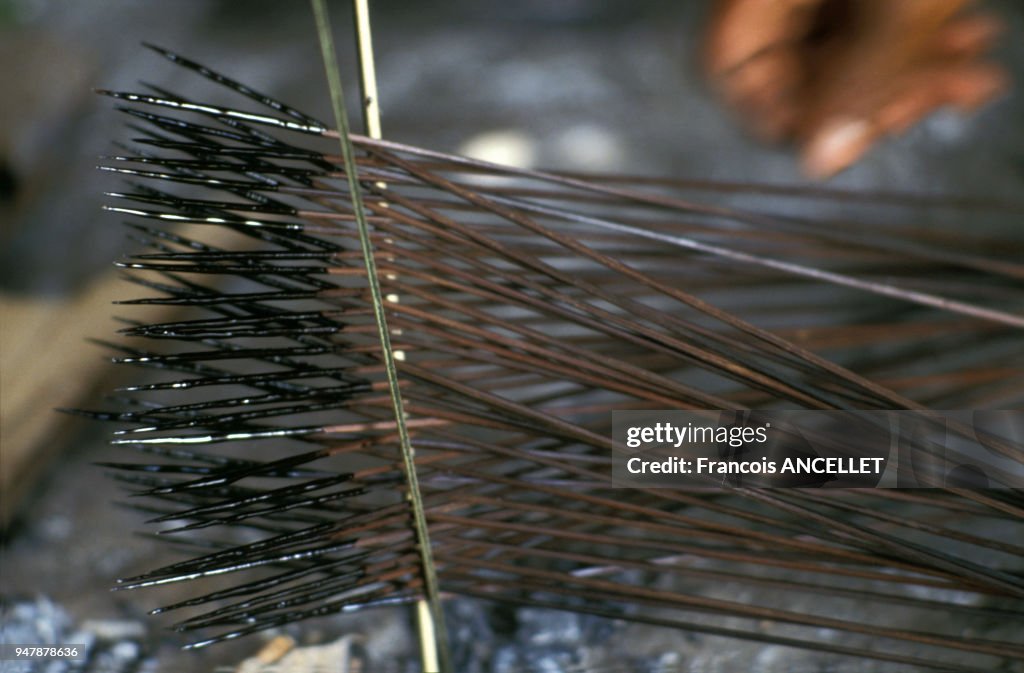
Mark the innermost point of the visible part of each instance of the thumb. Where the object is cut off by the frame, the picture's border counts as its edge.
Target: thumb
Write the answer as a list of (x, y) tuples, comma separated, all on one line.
[(836, 144)]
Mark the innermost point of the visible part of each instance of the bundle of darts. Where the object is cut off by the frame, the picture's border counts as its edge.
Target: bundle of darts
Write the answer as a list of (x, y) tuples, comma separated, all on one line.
[(391, 381)]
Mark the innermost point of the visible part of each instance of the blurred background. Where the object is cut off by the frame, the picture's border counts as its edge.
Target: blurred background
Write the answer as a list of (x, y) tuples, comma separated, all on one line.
[(595, 85)]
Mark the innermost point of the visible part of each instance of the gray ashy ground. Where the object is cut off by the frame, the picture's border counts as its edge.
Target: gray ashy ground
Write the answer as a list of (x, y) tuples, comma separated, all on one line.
[(588, 84)]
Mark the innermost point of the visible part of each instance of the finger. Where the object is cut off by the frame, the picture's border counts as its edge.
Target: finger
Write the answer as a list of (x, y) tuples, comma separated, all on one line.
[(970, 86), (742, 30), (969, 36), (764, 92), (914, 104), (966, 86)]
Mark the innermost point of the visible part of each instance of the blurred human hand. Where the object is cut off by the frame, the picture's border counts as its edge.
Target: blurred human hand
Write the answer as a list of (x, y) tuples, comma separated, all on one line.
[(836, 76)]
